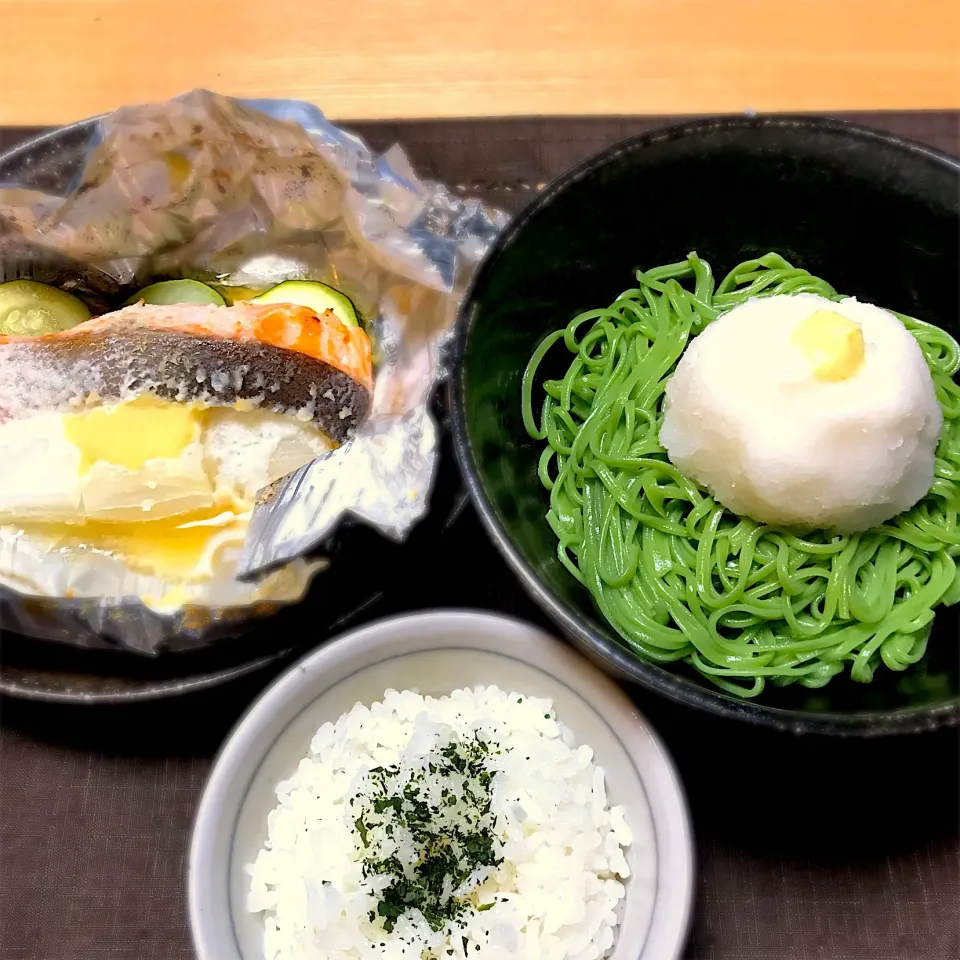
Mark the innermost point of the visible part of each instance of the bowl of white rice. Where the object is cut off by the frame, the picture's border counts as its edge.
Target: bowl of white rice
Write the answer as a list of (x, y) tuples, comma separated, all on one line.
[(442, 786)]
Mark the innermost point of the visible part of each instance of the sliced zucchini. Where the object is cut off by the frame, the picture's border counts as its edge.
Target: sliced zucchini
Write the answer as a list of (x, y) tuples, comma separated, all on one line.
[(317, 296), (177, 291), (30, 309)]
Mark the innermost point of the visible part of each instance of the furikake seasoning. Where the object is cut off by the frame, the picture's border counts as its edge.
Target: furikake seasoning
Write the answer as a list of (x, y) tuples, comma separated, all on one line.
[(428, 827)]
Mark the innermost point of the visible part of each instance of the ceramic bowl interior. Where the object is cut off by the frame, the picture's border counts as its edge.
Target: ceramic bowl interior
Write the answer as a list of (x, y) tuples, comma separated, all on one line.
[(434, 654), (877, 217)]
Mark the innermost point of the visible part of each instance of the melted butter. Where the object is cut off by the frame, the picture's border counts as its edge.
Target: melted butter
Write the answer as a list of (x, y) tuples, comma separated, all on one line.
[(831, 343), (179, 168), (176, 548), (133, 432), (236, 294)]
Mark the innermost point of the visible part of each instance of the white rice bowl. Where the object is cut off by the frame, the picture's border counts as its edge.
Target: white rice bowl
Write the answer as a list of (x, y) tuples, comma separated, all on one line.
[(557, 893), (436, 652)]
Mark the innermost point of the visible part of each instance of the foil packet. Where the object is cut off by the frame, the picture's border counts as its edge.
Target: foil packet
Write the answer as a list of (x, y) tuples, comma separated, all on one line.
[(248, 193)]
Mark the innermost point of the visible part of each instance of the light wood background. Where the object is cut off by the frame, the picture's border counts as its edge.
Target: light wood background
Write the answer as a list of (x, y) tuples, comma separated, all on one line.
[(361, 59)]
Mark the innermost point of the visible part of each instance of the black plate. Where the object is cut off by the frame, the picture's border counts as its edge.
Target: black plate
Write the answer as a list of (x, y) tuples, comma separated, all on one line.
[(369, 576), (365, 570), (877, 216)]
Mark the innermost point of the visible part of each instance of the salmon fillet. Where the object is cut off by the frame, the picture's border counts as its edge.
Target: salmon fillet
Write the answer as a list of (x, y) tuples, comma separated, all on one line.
[(278, 357)]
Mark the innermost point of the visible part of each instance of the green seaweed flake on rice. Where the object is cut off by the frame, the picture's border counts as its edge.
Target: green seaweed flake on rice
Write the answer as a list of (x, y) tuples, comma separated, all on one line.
[(427, 832), (434, 828)]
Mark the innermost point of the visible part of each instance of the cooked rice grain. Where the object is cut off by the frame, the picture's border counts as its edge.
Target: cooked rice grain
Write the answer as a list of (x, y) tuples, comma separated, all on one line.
[(556, 895)]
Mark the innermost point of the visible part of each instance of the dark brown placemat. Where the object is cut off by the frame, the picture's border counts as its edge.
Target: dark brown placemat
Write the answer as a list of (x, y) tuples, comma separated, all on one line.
[(808, 849)]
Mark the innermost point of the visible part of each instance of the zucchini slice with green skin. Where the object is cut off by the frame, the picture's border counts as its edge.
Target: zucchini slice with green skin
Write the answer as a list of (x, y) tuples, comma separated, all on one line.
[(177, 291), (316, 296), (31, 309)]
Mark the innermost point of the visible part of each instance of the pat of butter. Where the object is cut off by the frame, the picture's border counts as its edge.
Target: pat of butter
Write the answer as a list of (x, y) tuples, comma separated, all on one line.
[(831, 343), (131, 433)]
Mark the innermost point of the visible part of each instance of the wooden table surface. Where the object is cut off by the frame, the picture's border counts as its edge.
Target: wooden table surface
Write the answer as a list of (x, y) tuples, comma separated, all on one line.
[(66, 59)]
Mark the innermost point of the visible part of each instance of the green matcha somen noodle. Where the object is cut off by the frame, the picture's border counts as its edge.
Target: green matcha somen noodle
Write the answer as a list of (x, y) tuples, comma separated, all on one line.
[(679, 577)]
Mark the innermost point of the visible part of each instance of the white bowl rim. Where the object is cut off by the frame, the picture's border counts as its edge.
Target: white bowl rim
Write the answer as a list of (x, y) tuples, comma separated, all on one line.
[(342, 647)]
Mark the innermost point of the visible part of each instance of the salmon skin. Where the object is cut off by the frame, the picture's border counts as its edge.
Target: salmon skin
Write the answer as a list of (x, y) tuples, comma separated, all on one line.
[(277, 357)]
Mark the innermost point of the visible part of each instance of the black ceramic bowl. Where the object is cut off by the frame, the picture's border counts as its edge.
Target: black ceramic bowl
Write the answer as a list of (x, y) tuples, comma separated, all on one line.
[(876, 216)]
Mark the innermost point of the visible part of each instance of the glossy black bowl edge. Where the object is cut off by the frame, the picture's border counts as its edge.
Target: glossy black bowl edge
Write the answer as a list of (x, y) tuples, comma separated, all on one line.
[(598, 648)]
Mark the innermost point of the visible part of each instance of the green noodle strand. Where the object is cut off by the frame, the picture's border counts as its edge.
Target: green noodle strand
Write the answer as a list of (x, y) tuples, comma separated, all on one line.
[(679, 577)]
